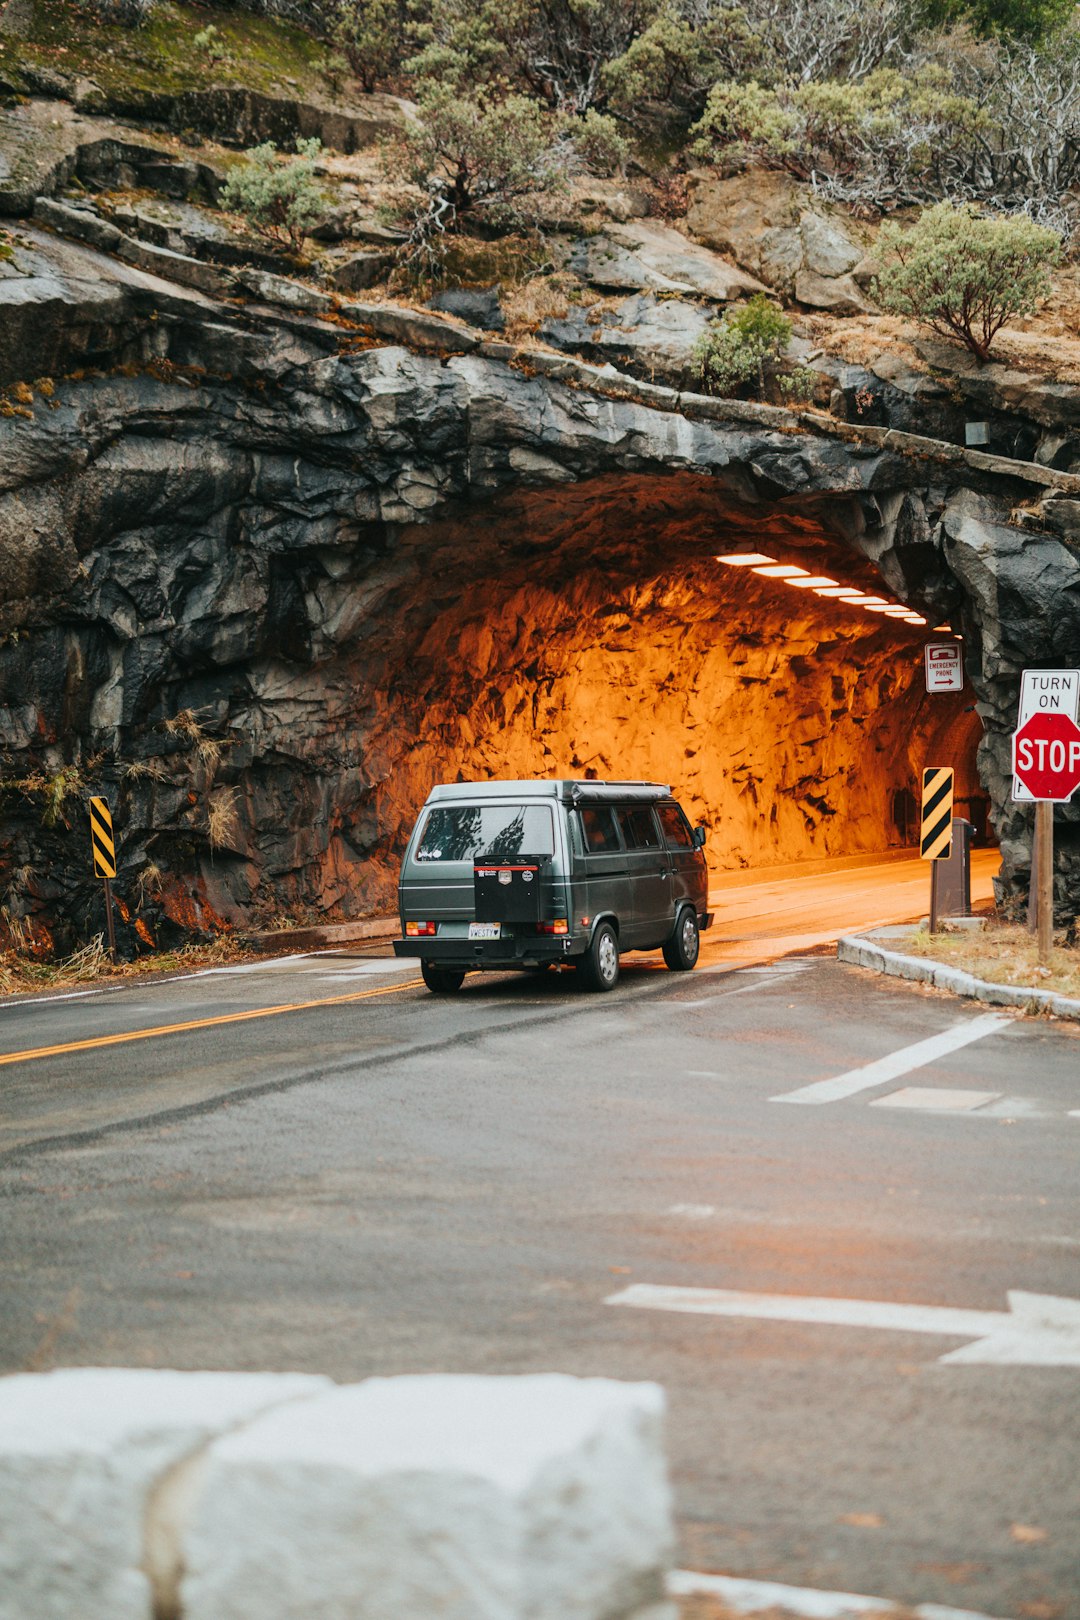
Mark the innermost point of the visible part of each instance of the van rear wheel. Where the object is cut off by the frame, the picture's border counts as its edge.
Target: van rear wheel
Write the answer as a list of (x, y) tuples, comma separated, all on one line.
[(682, 948), (440, 980), (599, 967)]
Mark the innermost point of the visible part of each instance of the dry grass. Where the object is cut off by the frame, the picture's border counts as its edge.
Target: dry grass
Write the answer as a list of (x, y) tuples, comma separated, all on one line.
[(222, 817), (20, 976), (1004, 954), (208, 750), (528, 305)]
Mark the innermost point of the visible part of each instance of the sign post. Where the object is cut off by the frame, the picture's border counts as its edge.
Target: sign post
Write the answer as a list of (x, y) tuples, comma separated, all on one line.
[(103, 848), (935, 837), (1046, 769), (943, 662)]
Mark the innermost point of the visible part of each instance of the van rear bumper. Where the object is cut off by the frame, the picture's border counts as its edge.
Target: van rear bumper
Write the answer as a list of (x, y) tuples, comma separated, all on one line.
[(492, 953)]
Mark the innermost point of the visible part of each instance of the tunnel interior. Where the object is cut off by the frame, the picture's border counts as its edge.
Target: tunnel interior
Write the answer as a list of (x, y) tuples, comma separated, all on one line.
[(592, 631)]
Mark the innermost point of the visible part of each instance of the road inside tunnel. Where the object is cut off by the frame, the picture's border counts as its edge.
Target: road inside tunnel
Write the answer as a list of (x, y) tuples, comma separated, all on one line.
[(660, 629)]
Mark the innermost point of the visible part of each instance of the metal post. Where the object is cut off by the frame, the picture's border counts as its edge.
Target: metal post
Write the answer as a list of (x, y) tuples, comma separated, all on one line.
[(935, 921), (109, 919), (1044, 839)]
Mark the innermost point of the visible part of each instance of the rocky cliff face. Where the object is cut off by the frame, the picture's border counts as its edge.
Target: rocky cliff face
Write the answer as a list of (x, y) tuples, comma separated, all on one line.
[(268, 573)]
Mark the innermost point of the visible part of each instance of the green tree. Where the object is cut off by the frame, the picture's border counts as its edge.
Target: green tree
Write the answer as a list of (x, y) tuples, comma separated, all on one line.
[(887, 139), (459, 44), (1019, 19), (665, 74), (473, 157), (277, 195), (370, 34), (742, 347), (963, 274)]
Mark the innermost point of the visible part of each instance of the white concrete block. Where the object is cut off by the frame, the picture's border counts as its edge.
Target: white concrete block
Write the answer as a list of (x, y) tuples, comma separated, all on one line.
[(81, 1453), (533, 1498)]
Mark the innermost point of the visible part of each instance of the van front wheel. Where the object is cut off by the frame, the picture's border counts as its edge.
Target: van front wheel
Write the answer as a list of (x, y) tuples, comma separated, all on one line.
[(681, 949), (599, 967), (442, 981)]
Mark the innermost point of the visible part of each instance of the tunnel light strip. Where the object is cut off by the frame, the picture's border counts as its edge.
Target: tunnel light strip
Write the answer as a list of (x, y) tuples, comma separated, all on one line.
[(821, 585)]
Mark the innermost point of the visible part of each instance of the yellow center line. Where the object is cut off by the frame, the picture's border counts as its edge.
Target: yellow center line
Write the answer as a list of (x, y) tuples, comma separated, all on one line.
[(201, 1023)]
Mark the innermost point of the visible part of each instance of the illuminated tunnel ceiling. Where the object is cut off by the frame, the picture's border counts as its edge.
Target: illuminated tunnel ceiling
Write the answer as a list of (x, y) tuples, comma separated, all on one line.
[(365, 573)]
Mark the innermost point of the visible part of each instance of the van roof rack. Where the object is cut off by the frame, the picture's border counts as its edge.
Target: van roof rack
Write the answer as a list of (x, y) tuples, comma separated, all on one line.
[(606, 792)]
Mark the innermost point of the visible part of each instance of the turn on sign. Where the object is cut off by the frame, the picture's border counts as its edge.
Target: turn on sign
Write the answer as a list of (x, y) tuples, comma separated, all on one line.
[(1046, 692)]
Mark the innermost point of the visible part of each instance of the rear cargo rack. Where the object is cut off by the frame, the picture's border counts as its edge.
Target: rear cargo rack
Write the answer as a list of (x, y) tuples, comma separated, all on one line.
[(608, 792)]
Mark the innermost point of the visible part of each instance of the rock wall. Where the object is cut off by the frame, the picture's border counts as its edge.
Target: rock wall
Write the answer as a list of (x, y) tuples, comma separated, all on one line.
[(267, 576)]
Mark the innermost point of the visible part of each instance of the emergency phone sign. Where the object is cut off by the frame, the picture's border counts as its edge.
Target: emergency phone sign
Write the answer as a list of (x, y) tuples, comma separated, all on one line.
[(944, 662)]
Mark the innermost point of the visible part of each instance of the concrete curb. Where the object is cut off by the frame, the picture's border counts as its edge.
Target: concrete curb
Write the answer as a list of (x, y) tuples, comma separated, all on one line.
[(861, 951), (316, 936), (136, 1494)]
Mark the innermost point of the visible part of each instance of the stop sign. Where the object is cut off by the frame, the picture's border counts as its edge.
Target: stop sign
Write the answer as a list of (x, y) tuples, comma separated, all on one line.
[(1046, 756)]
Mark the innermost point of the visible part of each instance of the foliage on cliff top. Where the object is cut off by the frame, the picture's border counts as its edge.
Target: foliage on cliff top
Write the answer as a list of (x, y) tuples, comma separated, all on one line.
[(278, 197), (965, 275)]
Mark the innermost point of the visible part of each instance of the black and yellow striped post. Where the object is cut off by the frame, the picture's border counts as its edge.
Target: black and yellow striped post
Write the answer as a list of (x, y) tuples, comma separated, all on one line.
[(935, 833), (103, 849)]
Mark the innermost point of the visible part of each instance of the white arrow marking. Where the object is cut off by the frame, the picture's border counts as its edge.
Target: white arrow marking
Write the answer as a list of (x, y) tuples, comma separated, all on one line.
[(898, 1063), (1038, 1330)]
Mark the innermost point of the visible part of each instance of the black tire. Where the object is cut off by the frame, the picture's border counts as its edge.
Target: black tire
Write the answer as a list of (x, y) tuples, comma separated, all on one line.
[(440, 980), (682, 949), (599, 967)]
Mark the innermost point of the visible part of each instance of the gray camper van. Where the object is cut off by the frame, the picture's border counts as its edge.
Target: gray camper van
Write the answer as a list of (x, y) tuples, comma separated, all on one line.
[(502, 875)]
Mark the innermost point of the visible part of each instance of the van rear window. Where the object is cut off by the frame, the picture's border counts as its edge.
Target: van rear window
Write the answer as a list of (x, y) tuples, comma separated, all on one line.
[(461, 832)]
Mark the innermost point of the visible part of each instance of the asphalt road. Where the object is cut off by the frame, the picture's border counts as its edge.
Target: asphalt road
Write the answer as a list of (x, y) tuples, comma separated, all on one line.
[(395, 1182)]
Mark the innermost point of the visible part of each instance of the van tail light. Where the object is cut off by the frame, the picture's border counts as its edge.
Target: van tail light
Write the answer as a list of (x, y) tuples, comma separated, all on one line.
[(559, 926), (416, 929)]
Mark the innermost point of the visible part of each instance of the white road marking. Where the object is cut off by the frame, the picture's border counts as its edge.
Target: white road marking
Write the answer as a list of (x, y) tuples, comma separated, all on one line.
[(693, 1212), (705, 1074), (945, 1101), (247, 967), (790, 968), (1038, 1330), (35, 1001), (898, 1063), (380, 964), (759, 1597)]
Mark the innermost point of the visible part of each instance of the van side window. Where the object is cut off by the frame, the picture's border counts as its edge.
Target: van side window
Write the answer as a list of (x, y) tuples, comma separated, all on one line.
[(638, 827), (598, 827), (677, 834)]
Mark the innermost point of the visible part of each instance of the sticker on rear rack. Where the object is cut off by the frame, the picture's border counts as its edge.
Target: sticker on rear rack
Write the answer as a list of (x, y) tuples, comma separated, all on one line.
[(484, 930), (526, 876), (506, 877)]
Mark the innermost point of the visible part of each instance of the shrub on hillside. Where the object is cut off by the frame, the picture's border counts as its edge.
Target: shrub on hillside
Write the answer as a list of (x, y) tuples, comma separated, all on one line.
[(888, 139), (965, 275), (745, 346), (370, 34), (599, 146), (477, 158), (277, 195), (1021, 19)]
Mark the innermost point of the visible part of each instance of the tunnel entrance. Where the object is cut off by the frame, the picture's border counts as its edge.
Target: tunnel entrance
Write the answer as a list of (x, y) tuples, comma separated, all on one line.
[(592, 631)]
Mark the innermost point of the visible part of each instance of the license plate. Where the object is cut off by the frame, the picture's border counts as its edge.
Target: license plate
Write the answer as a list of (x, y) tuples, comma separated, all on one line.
[(484, 930)]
